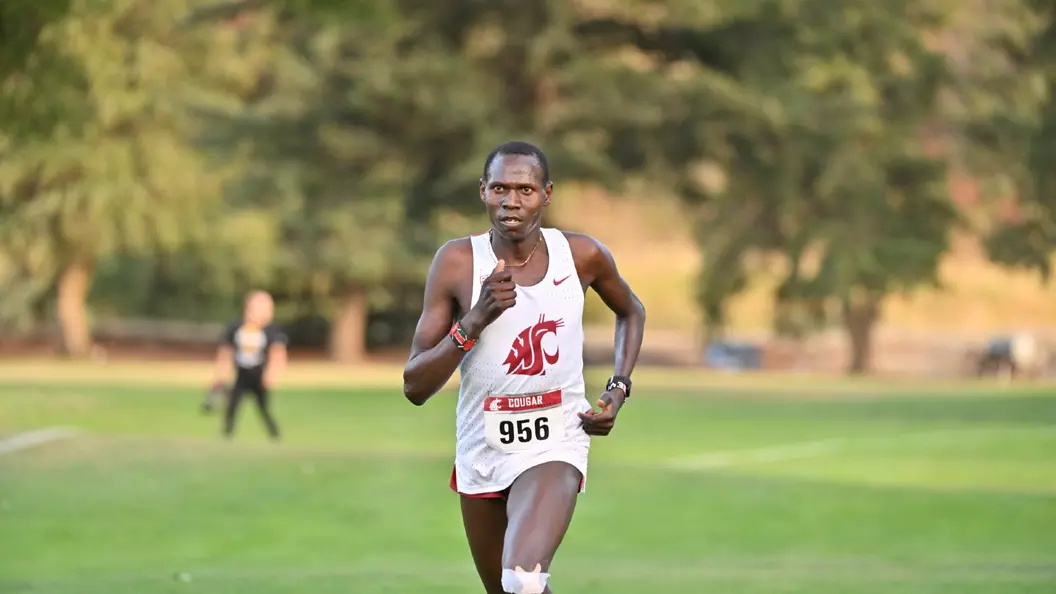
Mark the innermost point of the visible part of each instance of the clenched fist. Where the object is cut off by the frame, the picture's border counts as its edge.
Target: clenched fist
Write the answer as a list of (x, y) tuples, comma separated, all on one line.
[(497, 294)]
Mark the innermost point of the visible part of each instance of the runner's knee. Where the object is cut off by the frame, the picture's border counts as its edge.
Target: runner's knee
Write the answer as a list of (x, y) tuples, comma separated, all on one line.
[(521, 581)]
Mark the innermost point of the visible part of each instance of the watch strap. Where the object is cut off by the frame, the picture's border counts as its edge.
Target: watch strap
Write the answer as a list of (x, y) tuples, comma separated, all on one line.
[(619, 382)]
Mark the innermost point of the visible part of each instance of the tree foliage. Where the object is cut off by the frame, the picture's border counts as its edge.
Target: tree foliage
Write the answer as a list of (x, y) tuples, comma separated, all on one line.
[(366, 137), (29, 66), (796, 132), (117, 172), (1023, 142), (194, 149)]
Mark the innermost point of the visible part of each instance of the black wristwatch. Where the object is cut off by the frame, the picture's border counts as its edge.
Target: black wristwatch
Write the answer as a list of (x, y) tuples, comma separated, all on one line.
[(621, 382)]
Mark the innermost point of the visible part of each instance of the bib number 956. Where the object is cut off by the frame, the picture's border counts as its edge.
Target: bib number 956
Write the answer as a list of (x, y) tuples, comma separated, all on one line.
[(524, 430), (517, 423)]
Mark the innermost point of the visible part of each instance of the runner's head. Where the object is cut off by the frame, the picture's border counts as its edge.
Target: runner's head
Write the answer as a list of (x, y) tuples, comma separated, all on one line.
[(259, 308), (516, 187)]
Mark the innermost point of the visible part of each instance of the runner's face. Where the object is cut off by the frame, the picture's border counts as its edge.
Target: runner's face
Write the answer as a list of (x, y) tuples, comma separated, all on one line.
[(515, 195)]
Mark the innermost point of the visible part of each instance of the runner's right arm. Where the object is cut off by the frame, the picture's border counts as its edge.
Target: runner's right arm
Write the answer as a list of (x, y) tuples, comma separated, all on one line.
[(434, 356)]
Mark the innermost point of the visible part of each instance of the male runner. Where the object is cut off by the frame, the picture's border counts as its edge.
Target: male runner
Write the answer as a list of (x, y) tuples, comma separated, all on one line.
[(506, 307), (258, 350)]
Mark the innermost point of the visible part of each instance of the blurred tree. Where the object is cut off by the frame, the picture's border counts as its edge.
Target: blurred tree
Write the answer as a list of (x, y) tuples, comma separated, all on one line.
[(1013, 130), (792, 130), (325, 113), (116, 172), (796, 132), (368, 136), (22, 57), (1041, 214), (235, 248)]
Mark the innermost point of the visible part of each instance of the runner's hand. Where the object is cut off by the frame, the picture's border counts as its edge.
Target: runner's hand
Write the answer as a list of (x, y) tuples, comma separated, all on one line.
[(601, 422), (497, 294)]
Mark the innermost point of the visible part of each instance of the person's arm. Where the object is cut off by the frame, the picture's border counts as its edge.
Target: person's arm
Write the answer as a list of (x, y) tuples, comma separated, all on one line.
[(630, 312), (605, 279), (434, 356), (277, 359), (225, 352)]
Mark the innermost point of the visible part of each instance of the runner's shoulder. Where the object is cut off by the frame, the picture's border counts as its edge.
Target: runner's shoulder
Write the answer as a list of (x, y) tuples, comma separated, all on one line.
[(455, 250), (585, 249), (454, 257)]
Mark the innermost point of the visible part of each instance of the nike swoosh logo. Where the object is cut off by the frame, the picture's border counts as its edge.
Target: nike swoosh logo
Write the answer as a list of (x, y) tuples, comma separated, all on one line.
[(558, 282)]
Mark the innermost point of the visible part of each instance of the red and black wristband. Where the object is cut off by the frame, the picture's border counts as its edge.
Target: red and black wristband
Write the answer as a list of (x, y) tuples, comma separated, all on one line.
[(460, 338)]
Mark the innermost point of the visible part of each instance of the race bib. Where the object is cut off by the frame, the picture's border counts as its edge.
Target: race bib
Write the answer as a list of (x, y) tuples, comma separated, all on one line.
[(519, 423)]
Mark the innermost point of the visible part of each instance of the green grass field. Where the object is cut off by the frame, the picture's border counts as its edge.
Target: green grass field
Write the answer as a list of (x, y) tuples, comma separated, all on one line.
[(723, 486)]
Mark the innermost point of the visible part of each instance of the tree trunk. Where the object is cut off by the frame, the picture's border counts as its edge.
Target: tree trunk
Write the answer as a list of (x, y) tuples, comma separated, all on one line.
[(72, 309), (859, 318), (348, 330)]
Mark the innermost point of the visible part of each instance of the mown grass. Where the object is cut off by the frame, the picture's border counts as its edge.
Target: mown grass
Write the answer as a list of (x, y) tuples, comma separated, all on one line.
[(747, 486)]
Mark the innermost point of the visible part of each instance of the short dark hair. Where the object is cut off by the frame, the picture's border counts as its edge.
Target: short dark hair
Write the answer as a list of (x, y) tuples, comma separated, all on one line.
[(518, 147)]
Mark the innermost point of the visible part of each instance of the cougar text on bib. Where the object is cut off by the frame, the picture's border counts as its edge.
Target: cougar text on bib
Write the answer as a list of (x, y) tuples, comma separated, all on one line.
[(527, 422)]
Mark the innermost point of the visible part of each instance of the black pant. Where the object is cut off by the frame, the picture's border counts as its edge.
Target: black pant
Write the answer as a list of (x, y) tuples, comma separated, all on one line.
[(251, 381)]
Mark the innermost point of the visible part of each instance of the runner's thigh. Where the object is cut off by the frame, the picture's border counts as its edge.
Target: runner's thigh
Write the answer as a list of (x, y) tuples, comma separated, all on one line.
[(539, 508), (485, 522)]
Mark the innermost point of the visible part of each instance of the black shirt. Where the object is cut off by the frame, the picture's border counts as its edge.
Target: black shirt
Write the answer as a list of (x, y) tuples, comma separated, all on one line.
[(251, 344)]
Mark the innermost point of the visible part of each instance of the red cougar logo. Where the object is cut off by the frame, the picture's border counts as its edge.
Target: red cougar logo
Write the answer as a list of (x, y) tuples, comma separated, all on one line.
[(527, 355)]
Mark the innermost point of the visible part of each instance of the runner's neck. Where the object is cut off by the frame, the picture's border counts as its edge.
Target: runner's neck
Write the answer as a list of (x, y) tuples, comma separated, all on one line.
[(516, 252)]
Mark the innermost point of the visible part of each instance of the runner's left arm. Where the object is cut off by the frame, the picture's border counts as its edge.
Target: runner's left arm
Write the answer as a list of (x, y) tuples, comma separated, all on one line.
[(277, 358), (604, 277)]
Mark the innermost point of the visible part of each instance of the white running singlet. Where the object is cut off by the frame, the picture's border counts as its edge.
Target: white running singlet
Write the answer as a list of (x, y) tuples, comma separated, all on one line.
[(522, 383)]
